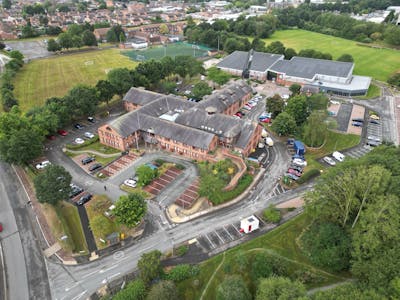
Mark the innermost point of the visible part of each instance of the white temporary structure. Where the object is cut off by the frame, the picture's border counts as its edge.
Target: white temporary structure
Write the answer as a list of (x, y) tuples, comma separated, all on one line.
[(249, 224)]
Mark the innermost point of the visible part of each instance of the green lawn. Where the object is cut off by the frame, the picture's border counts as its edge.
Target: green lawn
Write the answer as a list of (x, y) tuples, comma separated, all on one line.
[(377, 63), (68, 214), (96, 146), (374, 91), (44, 78), (281, 242)]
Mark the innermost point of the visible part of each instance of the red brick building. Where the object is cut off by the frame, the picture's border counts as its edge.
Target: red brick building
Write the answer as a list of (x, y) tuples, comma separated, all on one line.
[(188, 128)]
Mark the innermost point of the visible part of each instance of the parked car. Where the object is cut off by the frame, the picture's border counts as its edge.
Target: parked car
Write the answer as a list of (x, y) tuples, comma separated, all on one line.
[(292, 176), (62, 132), (299, 156), (43, 164), (89, 135), (360, 120), (87, 160), (75, 190), (338, 156), (299, 162), (294, 172), (78, 126), (91, 119), (130, 182), (372, 121), (374, 117), (266, 120), (85, 198), (373, 138), (329, 160), (296, 167), (357, 124), (373, 143), (79, 141), (95, 167)]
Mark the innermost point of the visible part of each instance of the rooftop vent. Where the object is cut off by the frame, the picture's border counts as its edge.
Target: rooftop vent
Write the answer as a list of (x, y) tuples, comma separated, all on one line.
[(211, 110)]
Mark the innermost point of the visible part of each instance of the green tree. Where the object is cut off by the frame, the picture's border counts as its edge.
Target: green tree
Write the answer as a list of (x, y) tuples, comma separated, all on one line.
[(345, 58), (135, 290), (88, 38), (8, 99), (295, 89), (275, 47), (61, 108), (16, 55), (201, 89), (145, 174), (77, 41), (327, 245), (53, 46), (83, 100), (153, 70), (394, 79), (272, 214), (43, 119), (20, 141), (105, 90), (274, 288), (317, 102), (297, 108), (129, 210), (233, 288), (65, 40), (163, 290), (275, 105), (53, 184), (392, 35), (121, 79), (284, 124), (149, 266), (6, 4), (187, 65), (260, 267), (258, 45), (218, 76), (315, 129), (182, 272), (289, 53)]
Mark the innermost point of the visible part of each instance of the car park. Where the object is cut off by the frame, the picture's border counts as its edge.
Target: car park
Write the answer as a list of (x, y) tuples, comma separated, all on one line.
[(79, 141), (95, 167), (42, 165), (373, 138), (88, 135), (299, 156), (329, 160), (85, 198), (130, 183), (75, 190), (62, 132), (87, 160), (78, 126), (299, 162)]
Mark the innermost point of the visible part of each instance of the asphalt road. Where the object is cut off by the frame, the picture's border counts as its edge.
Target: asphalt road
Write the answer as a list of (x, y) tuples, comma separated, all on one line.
[(26, 273)]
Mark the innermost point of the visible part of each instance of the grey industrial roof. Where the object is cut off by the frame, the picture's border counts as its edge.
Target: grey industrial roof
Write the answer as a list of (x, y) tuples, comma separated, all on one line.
[(260, 62), (357, 83), (305, 67), (140, 96)]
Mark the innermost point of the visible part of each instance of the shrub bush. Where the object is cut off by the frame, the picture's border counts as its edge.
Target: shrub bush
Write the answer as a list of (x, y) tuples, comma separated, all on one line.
[(179, 167), (182, 272), (310, 174), (182, 250), (272, 214)]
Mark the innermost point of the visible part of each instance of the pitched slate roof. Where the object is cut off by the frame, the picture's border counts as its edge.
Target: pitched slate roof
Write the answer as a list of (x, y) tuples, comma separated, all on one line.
[(261, 61), (140, 96), (305, 67)]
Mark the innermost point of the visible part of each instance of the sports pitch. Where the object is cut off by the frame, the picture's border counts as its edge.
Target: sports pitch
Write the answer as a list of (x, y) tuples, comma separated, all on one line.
[(374, 62), (172, 50), (44, 78)]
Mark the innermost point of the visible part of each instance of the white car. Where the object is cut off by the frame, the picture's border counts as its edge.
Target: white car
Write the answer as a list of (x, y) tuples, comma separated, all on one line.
[(299, 162), (79, 141), (329, 161), (43, 164), (130, 182), (89, 135), (338, 156)]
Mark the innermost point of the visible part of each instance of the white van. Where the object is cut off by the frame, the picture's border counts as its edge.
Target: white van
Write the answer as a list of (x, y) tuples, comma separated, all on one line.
[(338, 156)]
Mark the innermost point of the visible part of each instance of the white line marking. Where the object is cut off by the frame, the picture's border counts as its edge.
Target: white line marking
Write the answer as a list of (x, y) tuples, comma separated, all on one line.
[(108, 269), (80, 295), (212, 244), (228, 233), (71, 287), (114, 275), (89, 274), (223, 242)]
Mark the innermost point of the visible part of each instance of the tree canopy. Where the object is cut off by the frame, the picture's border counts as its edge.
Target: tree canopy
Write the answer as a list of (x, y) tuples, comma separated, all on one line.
[(284, 124), (279, 288), (129, 210), (233, 288), (149, 266)]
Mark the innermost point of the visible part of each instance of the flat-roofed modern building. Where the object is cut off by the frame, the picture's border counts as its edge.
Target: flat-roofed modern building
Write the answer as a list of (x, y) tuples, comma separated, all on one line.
[(325, 75), (188, 128)]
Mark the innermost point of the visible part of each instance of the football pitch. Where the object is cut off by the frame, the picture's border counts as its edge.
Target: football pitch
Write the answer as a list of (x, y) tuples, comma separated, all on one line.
[(172, 50), (373, 62), (49, 77)]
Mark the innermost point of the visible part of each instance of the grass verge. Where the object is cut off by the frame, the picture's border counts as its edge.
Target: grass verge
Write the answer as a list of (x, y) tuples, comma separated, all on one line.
[(96, 146), (280, 243), (374, 91), (377, 63), (103, 160), (139, 190)]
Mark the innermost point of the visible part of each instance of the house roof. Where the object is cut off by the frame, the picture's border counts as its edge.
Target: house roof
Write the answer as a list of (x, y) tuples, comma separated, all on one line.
[(238, 60), (305, 67), (140, 96)]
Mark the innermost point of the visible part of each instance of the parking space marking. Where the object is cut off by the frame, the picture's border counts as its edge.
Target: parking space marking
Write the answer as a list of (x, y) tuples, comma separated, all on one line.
[(211, 243), (219, 236), (228, 233)]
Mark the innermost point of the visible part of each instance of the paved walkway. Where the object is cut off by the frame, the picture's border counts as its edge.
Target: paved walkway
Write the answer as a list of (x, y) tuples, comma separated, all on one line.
[(91, 243)]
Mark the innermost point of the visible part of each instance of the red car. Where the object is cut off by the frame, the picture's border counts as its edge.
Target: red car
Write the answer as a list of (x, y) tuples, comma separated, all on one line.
[(1, 227), (294, 172), (62, 132), (266, 120)]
